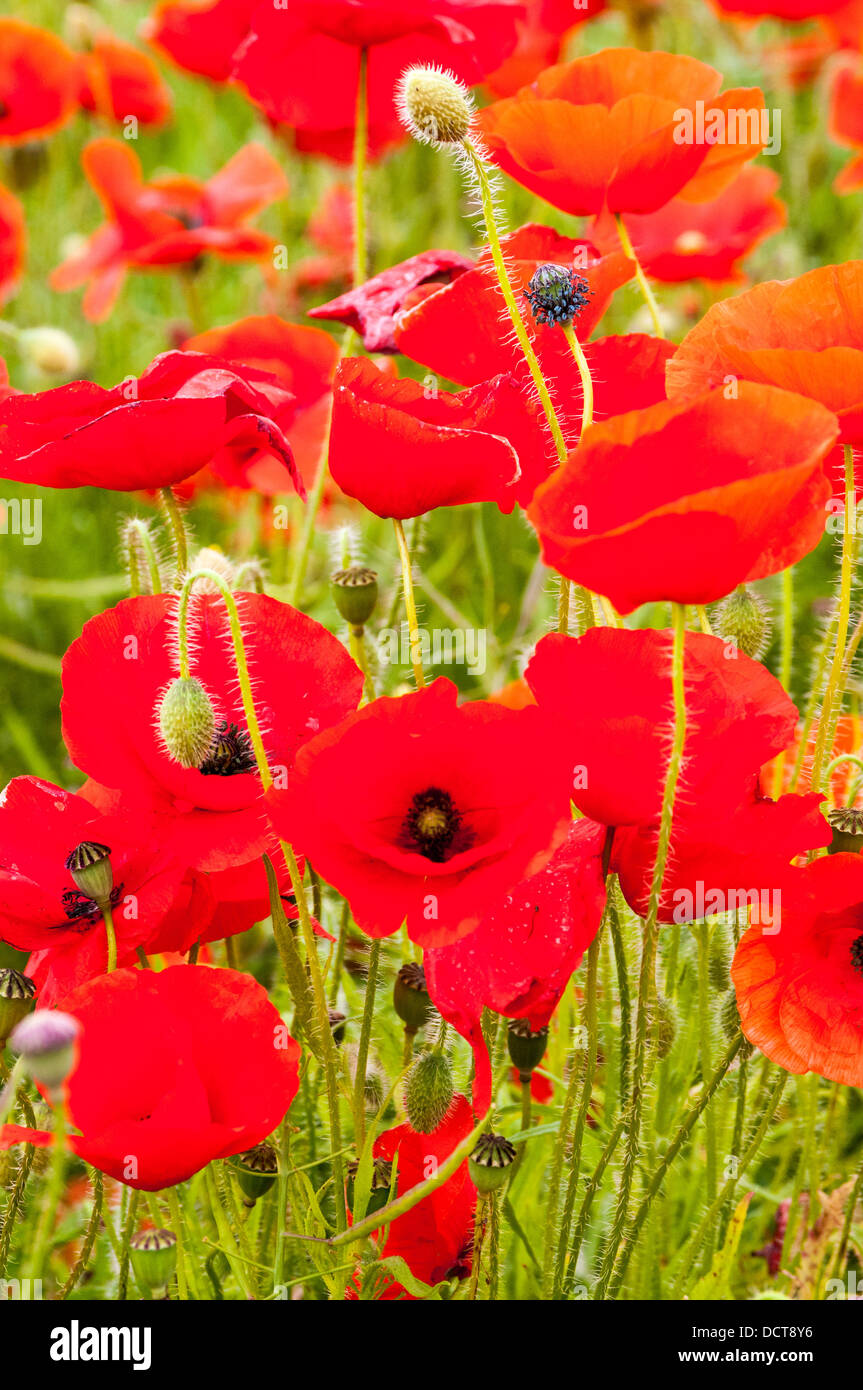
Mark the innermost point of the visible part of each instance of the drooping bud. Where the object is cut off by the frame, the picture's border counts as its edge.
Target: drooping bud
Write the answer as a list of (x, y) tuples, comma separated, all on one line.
[(154, 1259), (526, 1047), (382, 1176), (209, 557), (428, 1092), (846, 822), (47, 1043), (355, 593), (744, 619), (256, 1169), (411, 999), (187, 721), (663, 1026), (556, 294), (490, 1162), (434, 106), (90, 866), (49, 351), (17, 993)]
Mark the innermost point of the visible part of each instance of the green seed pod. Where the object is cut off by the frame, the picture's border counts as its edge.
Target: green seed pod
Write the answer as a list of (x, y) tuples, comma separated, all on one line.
[(847, 826), (256, 1170), (154, 1259), (719, 963), (428, 1092), (490, 1162), (382, 1176), (355, 593), (663, 1026), (17, 993), (411, 998), (90, 867), (730, 1018), (744, 619), (187, 721), (526, 1048)]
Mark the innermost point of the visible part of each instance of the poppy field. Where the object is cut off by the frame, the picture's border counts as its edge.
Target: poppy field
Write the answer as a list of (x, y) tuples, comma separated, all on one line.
[(431, 844)]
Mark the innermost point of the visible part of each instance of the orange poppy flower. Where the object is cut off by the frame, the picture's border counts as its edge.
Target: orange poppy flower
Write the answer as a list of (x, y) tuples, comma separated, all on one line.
[(542, 34), (685, 500), (13, 243), (625, 130), (38, 82), (846, 122), (119, 81)]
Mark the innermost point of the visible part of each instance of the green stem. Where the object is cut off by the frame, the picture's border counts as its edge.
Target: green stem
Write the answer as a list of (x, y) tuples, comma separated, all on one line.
[(45, 1230), (110, 934), (590, 1023), (361, 140), (177, 527), (834, 690), (363, 1046), (643, 282), (410, 603), (584, 372)]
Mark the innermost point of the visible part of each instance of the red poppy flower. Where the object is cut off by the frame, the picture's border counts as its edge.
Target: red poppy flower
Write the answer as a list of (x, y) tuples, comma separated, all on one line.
[(706, 241), (522, 955), (184, 411), (201, 38), (303, 361), (169, 221), (38, 82), (331, 229), (176, 1068), (13, 243), (434, 1237), (115, 672), (606, 131), (687, 499), (416, 808), (302, 65), (541, 37), (371, 308), (780, 9), (800, 988), (402, 451), (42, 909), (119, 81), (846, 122)]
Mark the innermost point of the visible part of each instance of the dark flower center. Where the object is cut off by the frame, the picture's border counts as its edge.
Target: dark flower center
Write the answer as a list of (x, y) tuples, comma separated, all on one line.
[(230, 754), (82, 910), (556, 294), (432, 824), (857, 954)]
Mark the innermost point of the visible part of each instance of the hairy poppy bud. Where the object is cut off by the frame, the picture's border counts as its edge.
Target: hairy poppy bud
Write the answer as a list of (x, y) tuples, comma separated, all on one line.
[(744, 619), (17, 993), (847, 825), (154, 1259), (209, 557), (382, 1176), (428, 1092), (187, 721), (526, 1048), (730, 1017), (50, 351), (434, 106), (46, 1042), (556, 294), (663, 1026), (90, 866), (719, 964), (355, 593), (490, 1162), (411, 998), (256, 1171)]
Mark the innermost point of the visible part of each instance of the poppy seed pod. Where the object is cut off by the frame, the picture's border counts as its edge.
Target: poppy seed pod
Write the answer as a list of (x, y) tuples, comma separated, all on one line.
[(490, 1162), (434, 106), (526, 1047), (556, 294), (382, 1176), (428, 1092), (17, 993), (846, 822), (154, 1259), (744, 619), (411, 997), (46, 1042), (256, 1171), (187, 721), (90, 866), (355, 593)]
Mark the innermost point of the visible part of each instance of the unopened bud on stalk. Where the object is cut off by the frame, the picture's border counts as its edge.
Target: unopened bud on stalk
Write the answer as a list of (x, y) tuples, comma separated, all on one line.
[(187, 721), (411, 999), (434, 106), (256, 1171), (90, 866), (490, 1162), (355, 593), (17, 993), (47, 1043), (526, 1047), (154, 1259), (744, 619), (428, 1092), (209, 557), (846, 822), (50, 351), (382, 1176)]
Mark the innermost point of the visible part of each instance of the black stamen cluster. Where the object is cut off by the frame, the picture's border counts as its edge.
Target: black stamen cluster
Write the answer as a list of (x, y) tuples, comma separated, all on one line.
[(556, 294), (230, 754)]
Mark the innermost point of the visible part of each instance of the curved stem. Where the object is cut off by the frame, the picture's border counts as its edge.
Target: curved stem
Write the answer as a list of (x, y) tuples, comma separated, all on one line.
[(410, 603), (584, 372), (177, 526), (643, 282)]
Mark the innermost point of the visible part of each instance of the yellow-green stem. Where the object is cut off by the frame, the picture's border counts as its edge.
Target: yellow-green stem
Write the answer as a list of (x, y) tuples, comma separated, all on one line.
[(643, 282), (833, 691), (584, 372), (410, 603)]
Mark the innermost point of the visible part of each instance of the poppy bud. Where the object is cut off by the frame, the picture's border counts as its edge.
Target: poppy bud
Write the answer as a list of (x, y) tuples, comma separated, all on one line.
[(663, 1026), (355, 593), (154, 1259), (46, 1041), (411, 999), (434, 106), (382, 1176), (744, 619), (719, 965), (187, 721), (210, 557), (730, 1017), (847, 825), (428, 1092), (256, 1171), (17, 993), (90, 866), (50, 351), (556, 294), (526, 1047), (490, 1162)]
